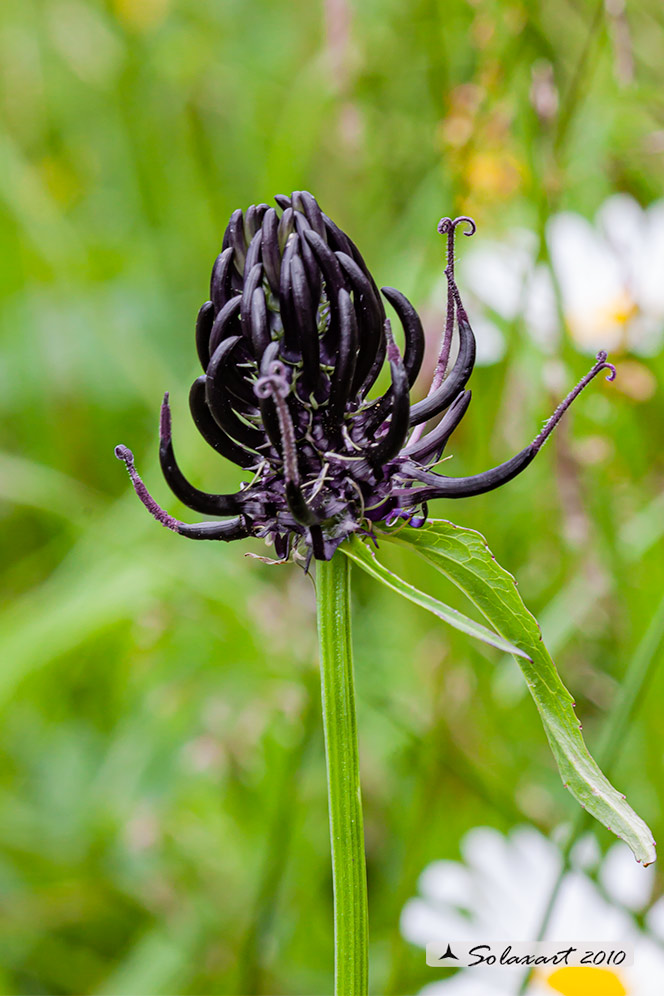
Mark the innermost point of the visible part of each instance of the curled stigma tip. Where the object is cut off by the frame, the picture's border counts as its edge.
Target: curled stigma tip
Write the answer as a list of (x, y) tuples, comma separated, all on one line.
[(447, 225), (601, 363)]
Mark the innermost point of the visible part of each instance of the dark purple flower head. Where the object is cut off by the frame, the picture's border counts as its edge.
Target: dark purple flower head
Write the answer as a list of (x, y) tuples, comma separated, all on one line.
[(291, 342)]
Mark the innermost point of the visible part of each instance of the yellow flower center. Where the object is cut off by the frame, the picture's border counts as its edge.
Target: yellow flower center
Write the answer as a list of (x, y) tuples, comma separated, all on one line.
[(589, 327), (584, 981), (623, 311)]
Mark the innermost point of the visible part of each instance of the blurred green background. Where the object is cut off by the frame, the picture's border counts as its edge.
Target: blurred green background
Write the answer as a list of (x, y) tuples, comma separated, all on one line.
[(163, 819)]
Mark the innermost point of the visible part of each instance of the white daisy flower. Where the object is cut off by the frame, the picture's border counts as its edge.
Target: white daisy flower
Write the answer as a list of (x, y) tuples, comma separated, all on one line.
[(610, 276), (500, 893), (504, 277)]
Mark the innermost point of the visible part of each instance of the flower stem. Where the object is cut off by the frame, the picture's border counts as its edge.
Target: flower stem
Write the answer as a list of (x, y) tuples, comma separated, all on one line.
[(351, 935)]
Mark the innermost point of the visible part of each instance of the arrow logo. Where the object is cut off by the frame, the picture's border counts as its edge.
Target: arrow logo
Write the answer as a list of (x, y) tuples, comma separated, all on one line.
[(448, 954)]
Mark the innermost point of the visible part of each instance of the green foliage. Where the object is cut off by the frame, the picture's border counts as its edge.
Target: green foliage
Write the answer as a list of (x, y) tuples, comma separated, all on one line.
[(362, 555), (462, 556), (164, 822)]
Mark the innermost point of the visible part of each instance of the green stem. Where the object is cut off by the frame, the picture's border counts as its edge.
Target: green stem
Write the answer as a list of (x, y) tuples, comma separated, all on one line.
[(351, 934)]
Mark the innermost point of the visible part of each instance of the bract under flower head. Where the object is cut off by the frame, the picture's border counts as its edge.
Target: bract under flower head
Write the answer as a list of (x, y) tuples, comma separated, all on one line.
[(291, 342)]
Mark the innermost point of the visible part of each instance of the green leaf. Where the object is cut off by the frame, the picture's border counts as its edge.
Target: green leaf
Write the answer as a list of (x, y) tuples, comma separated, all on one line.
[(358, 551), (463, 556)]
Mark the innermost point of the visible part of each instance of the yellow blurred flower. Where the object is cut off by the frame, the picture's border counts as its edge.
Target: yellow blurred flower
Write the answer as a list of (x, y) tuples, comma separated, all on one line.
[(142, 15), (493, 174)]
